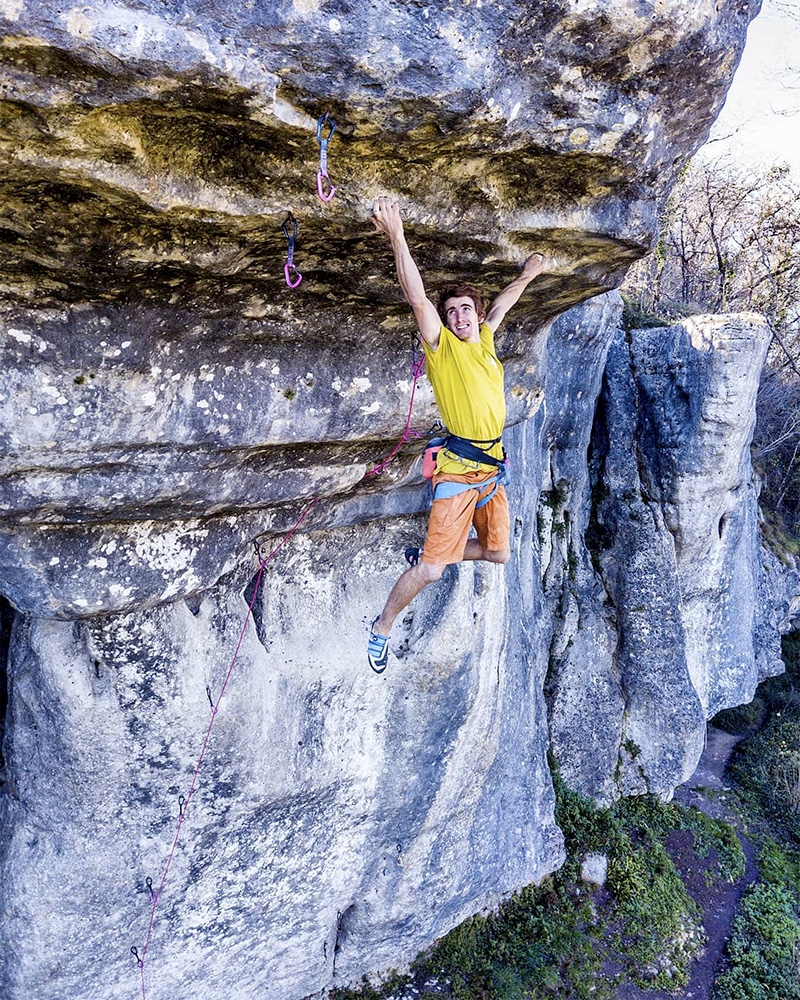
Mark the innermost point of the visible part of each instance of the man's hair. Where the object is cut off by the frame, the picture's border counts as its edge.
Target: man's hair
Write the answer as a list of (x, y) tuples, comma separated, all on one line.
[(457, 292)]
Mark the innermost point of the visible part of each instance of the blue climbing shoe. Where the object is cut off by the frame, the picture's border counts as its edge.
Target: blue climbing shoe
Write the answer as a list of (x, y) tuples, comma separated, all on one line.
[(378, 650)]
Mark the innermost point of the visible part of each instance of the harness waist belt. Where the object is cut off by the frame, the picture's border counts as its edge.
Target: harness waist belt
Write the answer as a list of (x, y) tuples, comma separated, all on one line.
[(464, 448)]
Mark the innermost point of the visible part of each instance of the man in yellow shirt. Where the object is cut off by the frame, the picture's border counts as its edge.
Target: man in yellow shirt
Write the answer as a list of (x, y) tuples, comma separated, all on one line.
[(467, 381)]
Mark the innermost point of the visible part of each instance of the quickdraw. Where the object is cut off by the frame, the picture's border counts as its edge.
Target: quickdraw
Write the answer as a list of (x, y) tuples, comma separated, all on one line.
[(291, 238), (322, 173)]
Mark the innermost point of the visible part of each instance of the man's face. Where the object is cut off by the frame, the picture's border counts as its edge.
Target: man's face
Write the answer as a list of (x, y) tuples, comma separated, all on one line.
[(462, 318)]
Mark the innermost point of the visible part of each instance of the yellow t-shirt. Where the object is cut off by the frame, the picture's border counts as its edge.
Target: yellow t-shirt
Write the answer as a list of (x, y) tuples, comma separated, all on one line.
[(467, 382)]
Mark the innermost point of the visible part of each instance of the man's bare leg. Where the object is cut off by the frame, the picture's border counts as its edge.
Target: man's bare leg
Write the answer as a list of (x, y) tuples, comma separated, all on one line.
[(418, 577), (403, 593)]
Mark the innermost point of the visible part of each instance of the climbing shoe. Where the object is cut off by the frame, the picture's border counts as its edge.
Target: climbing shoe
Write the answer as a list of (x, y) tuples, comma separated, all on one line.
[(412, 555), (378, 650)]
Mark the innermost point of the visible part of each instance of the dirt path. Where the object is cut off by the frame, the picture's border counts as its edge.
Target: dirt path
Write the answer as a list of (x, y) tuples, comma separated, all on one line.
[(718, 902)]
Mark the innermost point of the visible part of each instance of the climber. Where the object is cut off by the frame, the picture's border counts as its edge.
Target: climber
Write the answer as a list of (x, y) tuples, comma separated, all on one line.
[(467, 381)]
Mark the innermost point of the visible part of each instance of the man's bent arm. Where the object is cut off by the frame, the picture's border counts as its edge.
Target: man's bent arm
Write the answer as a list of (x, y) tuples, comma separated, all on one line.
[(386, 217), (510, 295)]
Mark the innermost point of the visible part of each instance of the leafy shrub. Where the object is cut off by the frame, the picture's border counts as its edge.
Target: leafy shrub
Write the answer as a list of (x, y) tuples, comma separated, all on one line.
[(764, 945), (767, 769), (649, 817)]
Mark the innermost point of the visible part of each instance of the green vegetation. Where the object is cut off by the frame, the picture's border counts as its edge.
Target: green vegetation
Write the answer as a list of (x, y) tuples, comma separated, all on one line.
[(767, 769), (766, 766), (764, 947), (566, 938), (775, 528), (636, 317)]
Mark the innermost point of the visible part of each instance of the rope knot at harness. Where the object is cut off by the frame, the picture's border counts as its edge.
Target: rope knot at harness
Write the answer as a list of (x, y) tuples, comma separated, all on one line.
[(322, 173)]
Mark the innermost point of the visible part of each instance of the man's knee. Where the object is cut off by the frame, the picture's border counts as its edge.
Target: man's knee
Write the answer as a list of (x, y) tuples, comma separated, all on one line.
[(498, 555), (429, 572)]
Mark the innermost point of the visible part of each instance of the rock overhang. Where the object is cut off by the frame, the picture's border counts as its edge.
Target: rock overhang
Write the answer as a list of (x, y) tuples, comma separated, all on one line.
[(152, 153), (157, 367)]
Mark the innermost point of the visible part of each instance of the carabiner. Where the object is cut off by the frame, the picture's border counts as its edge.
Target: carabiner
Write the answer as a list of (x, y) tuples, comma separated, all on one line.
[(322, 173), (293, 237), (323, 142), (321, 178), (289, 266)]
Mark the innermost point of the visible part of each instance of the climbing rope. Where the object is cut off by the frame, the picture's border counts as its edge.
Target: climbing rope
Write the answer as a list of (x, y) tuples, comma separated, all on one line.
[(322, 173), (183, 801), (154, 895), (291, 239), (417, 367)]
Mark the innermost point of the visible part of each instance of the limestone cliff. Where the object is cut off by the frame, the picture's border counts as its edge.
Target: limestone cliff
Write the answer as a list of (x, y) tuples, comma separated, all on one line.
[(167, 400)]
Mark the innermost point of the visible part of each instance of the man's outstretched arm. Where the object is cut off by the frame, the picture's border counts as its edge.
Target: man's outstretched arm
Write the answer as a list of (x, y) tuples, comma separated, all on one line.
[(510, 295), (386, 218)]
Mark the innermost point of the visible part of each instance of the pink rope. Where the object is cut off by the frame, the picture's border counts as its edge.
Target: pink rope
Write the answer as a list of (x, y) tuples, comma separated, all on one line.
[(155, 897), (416, 372)]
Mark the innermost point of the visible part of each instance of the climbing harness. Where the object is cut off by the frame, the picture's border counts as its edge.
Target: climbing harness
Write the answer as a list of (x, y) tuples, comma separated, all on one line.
[(446, 490), (469, 450), (291, 239), (322, 173), (465, 448), (183, 801)]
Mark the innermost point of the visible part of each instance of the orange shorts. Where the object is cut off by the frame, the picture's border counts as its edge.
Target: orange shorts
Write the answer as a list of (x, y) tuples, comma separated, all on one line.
[(451, 518)]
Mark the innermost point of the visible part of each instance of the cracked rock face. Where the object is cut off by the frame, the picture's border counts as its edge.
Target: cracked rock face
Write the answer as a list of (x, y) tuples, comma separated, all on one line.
[(166, 401), (343, 821), (676, 616), (339, 822)]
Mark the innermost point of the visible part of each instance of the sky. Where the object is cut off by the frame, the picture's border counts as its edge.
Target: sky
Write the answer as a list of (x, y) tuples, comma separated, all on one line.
[(760, 122)]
